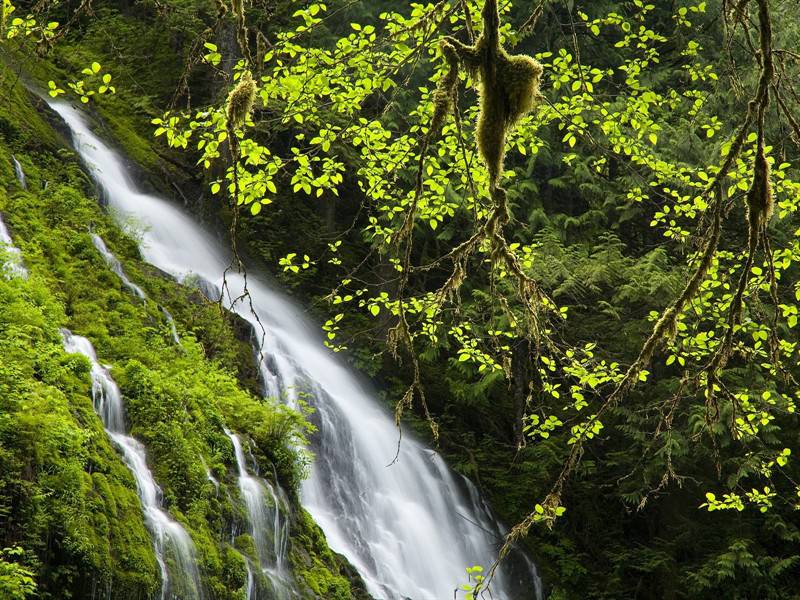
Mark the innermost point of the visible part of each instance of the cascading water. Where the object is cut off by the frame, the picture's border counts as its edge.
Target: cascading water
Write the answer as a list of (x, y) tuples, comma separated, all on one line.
[(280, 540), (173, 546), (409, 528), (114, 264), (171, 322), (211, 477), (12, 259), (250, 585), (268, 527), (19, 172)]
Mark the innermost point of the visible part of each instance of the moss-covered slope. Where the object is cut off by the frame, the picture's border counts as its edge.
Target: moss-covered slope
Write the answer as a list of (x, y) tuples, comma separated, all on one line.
[(66, 498)]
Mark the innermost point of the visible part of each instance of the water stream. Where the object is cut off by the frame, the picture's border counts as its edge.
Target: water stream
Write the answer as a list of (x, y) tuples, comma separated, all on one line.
[(114, 264), (12, 257), (19, 172), (171, 322), (268, 527), (410, 529), (173, 547)]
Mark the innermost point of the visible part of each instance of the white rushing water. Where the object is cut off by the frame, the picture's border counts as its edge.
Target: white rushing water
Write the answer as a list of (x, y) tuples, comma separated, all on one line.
[(114, 264), (172, 329), (210, 477), (173, 547), (12, 257), (410, 529), (268, 527), (19, 172)]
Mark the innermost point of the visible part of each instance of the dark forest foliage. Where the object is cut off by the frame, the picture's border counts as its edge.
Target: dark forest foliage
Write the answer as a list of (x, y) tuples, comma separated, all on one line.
[(607, 346)]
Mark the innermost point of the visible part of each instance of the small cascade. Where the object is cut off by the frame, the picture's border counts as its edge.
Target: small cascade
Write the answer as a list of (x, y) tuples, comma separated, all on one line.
[(12, 261), (114, 264), (211, 291), (268, 527), (250, 587), (279, 498), (211, 477), (174, 549), (175, 337), (19, 173)]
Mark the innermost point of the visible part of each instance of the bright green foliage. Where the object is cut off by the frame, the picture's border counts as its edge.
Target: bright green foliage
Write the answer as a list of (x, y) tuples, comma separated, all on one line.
[(16, 582), (13, 26), (81, 88), (678, 493), (476, 578), (42, 35)]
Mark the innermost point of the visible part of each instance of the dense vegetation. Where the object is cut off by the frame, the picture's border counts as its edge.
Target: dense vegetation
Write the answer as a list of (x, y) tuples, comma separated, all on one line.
[(71, 519), (607, 347)]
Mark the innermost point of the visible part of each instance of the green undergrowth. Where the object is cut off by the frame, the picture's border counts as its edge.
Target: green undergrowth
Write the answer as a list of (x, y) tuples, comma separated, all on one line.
[(310, 560), (68, 506), (65, 498)]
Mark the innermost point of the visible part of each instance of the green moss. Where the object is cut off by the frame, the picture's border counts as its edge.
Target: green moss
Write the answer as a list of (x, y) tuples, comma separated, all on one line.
[(82, 528), (326, 575), (244, 543), (72, 503), (326, 585), (234, 570), (21, 126)]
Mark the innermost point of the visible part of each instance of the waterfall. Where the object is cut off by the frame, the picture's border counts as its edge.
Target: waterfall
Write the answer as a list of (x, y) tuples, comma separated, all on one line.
[(171, 322), (210, 476), (12, 257), (173, 547), (410, 529), (250, 588), (268, 527), (19, 173), (114, 264)]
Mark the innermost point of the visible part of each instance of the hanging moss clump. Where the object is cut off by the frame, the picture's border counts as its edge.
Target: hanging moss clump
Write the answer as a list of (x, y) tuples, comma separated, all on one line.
[(760, 200), (444, 96), (241, 100), (238, 8), (509, 87)]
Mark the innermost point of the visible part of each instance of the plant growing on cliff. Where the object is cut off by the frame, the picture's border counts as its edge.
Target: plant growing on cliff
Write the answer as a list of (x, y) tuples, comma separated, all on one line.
[(16, 581)]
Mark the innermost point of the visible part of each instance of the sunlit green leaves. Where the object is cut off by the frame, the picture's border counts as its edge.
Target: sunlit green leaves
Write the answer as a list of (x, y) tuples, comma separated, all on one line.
[(54, 91), (212, 57), (328, 116), (288, 263), (96, 83)]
